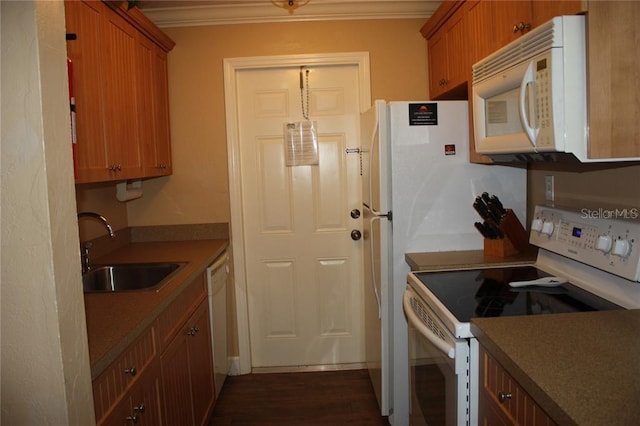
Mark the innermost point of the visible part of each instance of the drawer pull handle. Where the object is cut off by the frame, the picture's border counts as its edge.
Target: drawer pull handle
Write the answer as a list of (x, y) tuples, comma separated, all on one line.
[(132, 419), (503, 396), (131, 371)]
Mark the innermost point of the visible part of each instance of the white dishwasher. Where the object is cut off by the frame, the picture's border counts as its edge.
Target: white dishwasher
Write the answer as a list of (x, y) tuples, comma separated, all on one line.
[(217, 274)]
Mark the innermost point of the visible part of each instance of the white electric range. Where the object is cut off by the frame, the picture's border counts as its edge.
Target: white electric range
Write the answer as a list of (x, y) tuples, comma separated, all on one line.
[(590, 260)]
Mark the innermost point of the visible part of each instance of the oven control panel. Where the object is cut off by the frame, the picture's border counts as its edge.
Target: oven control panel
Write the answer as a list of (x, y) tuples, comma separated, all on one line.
[(608, 239)]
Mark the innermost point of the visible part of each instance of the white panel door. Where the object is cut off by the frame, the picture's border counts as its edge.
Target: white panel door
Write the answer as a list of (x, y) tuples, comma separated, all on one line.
[(303, 270)]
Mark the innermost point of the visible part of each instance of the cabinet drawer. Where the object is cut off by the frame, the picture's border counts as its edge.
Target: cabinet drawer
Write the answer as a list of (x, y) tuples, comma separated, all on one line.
[(501, 392), (112, 384), (177, 313)]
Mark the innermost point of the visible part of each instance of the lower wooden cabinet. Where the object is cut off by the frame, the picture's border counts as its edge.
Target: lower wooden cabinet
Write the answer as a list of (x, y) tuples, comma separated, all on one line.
[(502, 401), (187, 372), (129, 373), (165, 377), (140, 405)]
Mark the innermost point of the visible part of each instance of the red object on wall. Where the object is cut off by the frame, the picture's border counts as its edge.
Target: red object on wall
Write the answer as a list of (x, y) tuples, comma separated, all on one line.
[(72, 108)]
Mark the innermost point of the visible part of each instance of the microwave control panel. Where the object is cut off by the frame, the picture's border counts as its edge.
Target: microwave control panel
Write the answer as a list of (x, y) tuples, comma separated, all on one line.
[(543, 102), (607, 239)]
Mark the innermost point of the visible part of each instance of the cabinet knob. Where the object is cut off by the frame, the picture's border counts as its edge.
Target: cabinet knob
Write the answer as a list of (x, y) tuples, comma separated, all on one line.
[(503, 396), (139, 408), (132, 371), (162, 166), (192, 331), (521, 27)]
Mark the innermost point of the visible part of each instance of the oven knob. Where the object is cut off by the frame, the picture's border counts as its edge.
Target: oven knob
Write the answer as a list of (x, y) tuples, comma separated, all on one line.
[(604, 243), (547, 228), (536, 225), (621, 248)]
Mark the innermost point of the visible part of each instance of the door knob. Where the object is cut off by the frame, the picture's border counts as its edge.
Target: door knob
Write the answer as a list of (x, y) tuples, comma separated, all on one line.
[(355, 213), (356, 235)]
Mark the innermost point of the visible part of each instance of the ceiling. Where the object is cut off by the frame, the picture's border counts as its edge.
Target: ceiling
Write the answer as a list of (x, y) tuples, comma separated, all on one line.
[(180, 13)]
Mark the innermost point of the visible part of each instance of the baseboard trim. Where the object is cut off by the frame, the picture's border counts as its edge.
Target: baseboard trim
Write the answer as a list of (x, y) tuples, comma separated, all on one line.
[(309, 368)]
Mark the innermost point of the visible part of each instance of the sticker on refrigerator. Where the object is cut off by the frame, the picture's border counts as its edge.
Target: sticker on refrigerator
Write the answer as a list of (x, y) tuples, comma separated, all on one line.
[(450, 149), (423, 114)]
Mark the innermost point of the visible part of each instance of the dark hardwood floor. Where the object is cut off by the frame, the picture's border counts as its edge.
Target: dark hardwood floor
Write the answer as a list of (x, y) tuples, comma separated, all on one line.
[(310, 398)]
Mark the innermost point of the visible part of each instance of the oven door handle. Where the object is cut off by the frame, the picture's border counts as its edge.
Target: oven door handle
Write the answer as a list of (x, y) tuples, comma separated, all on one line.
[(424, 330)]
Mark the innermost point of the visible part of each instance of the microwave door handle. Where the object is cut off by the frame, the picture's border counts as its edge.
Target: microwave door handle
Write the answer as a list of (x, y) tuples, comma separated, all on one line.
[(424, 330), (527, 81)]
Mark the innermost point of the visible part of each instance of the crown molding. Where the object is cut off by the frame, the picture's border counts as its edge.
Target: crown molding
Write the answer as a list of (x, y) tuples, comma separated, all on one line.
[(223, 13)]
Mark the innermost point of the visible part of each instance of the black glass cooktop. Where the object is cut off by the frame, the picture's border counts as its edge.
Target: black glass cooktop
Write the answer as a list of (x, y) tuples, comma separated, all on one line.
[(486, 293)]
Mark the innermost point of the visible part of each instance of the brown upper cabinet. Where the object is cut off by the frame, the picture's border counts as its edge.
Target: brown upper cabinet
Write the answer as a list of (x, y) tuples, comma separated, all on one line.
[(119, 61), (448, 64)]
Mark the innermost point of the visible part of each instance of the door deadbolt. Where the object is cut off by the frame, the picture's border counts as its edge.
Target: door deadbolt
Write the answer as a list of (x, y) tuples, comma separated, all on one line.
[(355, 213), (356, 235)]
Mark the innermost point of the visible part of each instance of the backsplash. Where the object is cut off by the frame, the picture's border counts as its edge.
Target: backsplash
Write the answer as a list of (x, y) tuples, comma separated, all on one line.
[(140, 234), (590, 186)]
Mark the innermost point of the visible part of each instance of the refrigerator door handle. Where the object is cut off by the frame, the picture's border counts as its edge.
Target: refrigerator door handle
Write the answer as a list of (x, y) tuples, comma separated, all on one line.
[(374, 281)]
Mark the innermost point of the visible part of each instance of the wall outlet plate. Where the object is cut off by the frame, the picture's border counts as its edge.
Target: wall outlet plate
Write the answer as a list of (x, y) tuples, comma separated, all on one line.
[(549, 187)]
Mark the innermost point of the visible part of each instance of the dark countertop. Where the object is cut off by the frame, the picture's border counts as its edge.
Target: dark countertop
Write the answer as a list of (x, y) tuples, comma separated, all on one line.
[(464, 259), (581, 368), (115, 320)]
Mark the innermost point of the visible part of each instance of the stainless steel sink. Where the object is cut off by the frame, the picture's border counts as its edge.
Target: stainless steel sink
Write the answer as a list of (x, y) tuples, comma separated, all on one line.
[(128, 276)]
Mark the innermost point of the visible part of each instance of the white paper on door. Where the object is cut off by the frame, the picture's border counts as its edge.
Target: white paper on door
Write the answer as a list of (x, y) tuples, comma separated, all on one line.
[(301, 143)]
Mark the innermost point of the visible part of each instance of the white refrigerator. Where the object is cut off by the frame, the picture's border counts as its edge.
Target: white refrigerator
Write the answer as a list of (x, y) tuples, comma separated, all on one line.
[(418, 191)]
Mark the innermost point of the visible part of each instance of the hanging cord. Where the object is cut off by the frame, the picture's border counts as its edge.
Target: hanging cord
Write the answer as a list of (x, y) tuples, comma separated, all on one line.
[(305, 111)]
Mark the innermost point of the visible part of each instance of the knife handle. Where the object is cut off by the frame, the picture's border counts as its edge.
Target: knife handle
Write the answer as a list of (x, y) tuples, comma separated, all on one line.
[(480, 227)]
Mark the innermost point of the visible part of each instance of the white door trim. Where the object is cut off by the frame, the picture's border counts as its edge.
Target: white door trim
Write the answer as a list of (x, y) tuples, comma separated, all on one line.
[(231, 67)]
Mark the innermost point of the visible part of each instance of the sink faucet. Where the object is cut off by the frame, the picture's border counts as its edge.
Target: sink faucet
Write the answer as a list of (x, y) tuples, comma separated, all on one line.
[(86, 262)]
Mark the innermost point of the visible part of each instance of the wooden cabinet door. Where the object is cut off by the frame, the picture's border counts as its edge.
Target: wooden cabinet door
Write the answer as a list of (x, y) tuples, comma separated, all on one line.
[(157, 149), (145, 402), (140, 406), (120, 101), (480, 25), (201, 364), (161, 109), (187, 372), (176, 384), (459, 68), (145, 102), (437, 64), (544, 10), (507, 15), (448, 60), (84, 20)]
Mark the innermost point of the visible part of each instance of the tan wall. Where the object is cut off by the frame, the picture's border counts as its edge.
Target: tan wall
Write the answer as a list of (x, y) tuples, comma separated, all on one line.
[(46, 378), (99, 198), (586, 186), (197, 192)]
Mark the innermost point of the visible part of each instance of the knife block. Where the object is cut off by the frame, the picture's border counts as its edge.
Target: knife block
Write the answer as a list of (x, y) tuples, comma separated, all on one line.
[(516, 238)]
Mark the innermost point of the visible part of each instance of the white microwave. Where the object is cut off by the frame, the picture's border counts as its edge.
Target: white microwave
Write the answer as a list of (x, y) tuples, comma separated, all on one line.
[(531, 95)]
